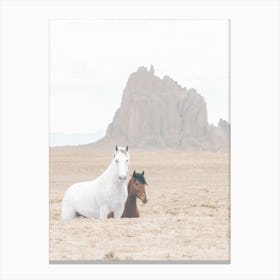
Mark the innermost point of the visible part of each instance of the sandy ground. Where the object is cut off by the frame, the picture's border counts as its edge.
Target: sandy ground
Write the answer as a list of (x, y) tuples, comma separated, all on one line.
[(186, 218)]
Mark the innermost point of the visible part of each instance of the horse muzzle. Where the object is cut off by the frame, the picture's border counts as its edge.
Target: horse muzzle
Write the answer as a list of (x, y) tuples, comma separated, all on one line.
[(144, 200)]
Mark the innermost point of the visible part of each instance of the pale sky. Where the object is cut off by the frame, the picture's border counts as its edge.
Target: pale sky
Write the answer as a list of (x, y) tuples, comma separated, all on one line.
[(91, 60)]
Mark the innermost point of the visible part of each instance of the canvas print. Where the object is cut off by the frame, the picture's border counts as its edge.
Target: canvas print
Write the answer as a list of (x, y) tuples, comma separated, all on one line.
[(139, 151)]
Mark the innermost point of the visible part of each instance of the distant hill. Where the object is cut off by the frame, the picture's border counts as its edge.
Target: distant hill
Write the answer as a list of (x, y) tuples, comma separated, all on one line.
[(74, 139), (160, 114)]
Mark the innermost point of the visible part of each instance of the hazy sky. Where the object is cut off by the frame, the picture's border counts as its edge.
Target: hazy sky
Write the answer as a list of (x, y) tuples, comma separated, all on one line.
[(91, 60)]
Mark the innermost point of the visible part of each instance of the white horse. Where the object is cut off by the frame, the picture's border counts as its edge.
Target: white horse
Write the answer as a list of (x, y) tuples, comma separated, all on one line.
[(95, 199)]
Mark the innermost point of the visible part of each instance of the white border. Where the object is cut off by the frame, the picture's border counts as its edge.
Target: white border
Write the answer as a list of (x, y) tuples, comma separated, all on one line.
[(255, 137)]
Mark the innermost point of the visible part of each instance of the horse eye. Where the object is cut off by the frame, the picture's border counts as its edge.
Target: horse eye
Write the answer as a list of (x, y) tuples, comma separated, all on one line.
[(126, 161)]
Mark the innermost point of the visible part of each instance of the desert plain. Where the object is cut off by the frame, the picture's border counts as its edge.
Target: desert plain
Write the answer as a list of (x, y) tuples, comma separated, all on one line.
[(187, 217)]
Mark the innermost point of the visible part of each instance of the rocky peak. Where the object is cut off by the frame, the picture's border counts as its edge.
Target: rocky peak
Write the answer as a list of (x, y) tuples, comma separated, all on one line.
[(152, 70), (224, 125), (158, 113)]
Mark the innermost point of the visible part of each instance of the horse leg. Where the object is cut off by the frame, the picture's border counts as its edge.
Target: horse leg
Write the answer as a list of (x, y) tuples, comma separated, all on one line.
[(68, 213), (110, 215), (103, 212), (118, 212)]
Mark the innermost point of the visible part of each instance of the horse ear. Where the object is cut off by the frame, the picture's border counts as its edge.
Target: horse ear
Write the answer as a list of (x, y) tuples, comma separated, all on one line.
[(126, 148), (143, 173), (133, 174), (116, 148)]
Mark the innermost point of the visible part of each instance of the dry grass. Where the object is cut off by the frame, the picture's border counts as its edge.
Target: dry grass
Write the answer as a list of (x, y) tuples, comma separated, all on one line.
[(187, 216)]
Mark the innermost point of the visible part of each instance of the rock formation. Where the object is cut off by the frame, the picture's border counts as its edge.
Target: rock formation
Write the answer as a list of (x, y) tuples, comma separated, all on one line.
[(160, 114)]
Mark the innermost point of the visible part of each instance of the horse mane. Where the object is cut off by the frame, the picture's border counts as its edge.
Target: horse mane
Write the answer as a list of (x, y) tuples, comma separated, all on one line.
[(123, 151), (140, 177)]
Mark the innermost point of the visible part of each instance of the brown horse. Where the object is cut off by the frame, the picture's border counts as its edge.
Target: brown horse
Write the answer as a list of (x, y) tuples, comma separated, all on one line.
[(136, 189)]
